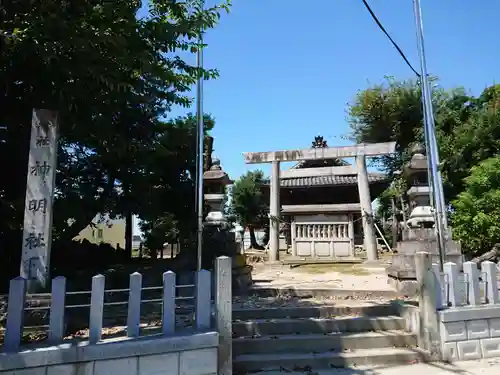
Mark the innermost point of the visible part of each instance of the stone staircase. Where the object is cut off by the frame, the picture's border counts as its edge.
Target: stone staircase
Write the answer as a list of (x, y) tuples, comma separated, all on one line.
[(320, 337)]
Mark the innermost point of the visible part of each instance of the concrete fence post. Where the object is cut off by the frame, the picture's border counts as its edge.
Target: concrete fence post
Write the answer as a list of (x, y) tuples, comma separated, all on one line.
[(203, 300), (472, 274), (451, 272), (134, 305), (439, 285), (429, 326), (168, 312), (15, 314), (223, 314), (489, 270), (96, 308), (57, 309)]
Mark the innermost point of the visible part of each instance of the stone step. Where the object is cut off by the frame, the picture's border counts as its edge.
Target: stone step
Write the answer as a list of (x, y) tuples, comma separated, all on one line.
[(305, 362), (321, 293), (317, 343), (267, 327), (324, 311)]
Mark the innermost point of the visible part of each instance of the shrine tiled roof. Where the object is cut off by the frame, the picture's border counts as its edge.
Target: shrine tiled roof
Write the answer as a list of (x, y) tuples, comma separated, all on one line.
[(331, 180)]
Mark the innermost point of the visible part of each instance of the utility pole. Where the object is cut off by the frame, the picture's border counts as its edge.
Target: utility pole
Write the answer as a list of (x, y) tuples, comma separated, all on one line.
[(199, 203), (436, 182)]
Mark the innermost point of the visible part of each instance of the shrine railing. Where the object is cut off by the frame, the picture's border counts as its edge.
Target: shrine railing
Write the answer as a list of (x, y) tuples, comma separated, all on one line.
[(320, 231), (459, 312), (474, 287), (177, 308)]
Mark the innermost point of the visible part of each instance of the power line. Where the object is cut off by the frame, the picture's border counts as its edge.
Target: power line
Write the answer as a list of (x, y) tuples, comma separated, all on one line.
[(381, 27)]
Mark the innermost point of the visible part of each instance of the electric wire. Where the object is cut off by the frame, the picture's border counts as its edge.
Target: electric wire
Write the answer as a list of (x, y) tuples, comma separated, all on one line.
[(381, 27)]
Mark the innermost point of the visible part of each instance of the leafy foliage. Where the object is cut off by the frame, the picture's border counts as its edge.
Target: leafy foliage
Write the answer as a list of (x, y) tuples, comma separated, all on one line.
[(390, 111), (396, 191), (468, 129), (168, 213), (474, 138), (477, 208), (112, 77), (248, 203)]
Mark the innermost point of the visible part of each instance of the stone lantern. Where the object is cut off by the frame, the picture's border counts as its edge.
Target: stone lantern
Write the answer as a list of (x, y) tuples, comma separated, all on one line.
[(415, 172), (218, 238), (419, 233), (215, 181)]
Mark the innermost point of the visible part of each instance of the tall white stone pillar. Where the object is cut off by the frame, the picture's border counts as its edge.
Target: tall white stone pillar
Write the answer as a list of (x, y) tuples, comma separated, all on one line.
[(40, 186), (369, 239), (274, 210)]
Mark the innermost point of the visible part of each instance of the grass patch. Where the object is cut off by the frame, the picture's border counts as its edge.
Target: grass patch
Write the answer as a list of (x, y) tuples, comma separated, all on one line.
[(345, 268)]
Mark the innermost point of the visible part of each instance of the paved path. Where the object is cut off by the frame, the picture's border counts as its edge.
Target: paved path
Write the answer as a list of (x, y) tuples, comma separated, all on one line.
[(480, 367)]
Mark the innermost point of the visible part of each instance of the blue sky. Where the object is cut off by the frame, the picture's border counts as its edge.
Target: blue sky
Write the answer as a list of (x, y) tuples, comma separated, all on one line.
[(288, 68)]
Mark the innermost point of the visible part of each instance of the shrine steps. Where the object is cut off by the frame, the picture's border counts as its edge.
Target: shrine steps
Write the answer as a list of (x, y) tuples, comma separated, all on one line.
[(341, 308), (316, 361), (306, 338), (317, 343), (262, 290), (287, 326)]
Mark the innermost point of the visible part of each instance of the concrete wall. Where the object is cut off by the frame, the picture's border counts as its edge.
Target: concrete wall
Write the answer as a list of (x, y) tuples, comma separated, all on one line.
[(179, 355), (112, 234), (470, 332)]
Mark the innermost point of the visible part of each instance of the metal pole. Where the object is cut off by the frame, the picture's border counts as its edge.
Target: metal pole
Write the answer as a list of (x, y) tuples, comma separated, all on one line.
[(196, 177), (200, 150), (431, 143), (430, 165), (430, 123)]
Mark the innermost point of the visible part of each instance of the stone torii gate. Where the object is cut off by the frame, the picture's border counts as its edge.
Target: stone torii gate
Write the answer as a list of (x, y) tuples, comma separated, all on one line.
[(359, 152)]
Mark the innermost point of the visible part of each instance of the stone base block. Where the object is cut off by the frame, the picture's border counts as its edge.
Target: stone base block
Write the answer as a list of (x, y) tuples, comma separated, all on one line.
[(420, 234), (413, 246), (468, 350), (490, 347), (450, 352), (403, 265), (404, 287)]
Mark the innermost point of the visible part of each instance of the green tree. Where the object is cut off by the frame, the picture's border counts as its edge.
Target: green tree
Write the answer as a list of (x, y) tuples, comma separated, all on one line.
[(477, 209), (111, 76), (392, 111), (468, 130), (167, 211), (248, 203), (474, 137)]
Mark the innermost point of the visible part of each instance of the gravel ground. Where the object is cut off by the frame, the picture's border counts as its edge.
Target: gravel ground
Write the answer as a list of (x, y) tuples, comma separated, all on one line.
[(352, 277), (367, 280)]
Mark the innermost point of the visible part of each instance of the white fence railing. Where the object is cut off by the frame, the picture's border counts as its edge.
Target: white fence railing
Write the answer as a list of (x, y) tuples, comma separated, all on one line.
[(474, 287), (321, 231), (170, 296)]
